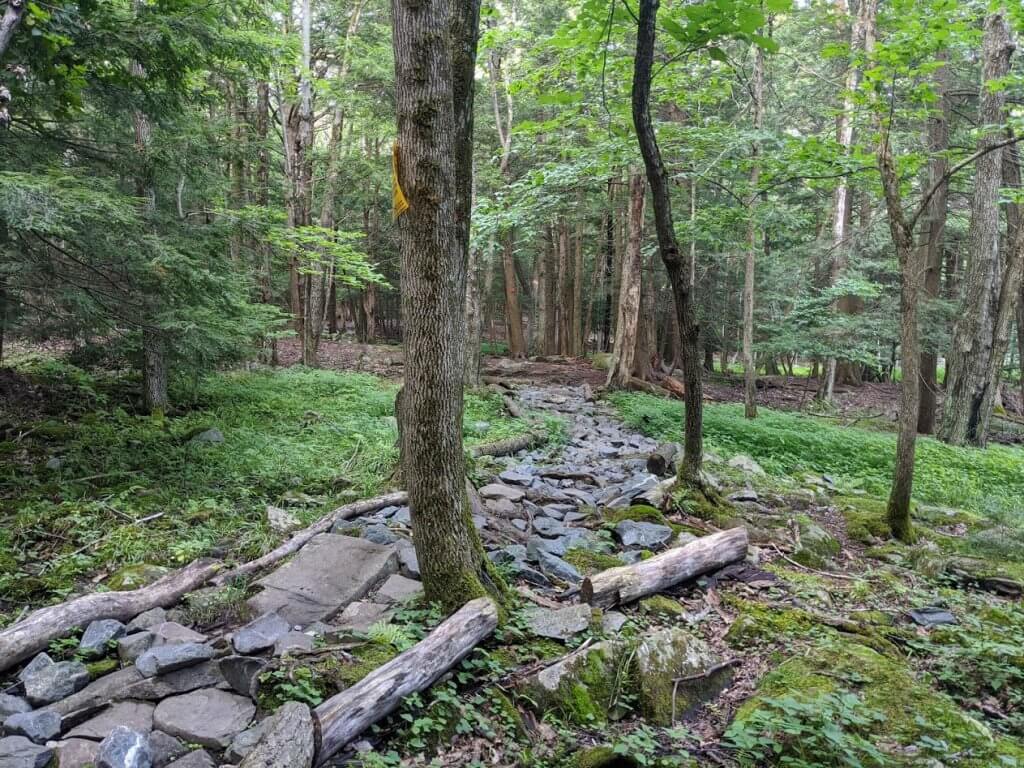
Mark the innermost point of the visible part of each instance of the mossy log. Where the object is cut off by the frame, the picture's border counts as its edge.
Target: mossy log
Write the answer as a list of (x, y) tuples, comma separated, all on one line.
[(631, 582), (343, 717), (37, 630), (509, 446)]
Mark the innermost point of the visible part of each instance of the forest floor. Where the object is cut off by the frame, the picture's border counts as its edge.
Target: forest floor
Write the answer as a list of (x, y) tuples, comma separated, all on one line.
[(842, 648)]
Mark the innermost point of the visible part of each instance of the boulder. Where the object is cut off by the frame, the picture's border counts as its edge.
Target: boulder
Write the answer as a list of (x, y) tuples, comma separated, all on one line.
[(198, 758), (243, 673), (137, 715), (19, 752), (124, 748), (398, 589), (97, 637), (676, 672), (76, 753), (39, 726), (12, 705), (745, 464), (130, 647), (169, 658), (287, 740), (501, 491), (558, 624), (209, 717), (147, 620), (326, 575), (556, 568), (580, 686), (55, 681), (642, 535), (260, 634), (165, 748)]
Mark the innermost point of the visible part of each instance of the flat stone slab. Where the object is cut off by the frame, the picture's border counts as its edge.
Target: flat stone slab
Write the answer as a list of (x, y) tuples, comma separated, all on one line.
[(170, 658), (326, 575), (77, 753), (501, 491), (398, 589), (260, 634), (137, 715), (558, 624), (361, 615), (209, 717), (19, 752)]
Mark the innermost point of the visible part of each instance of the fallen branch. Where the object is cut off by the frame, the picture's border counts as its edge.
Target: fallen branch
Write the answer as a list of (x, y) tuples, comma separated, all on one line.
[(808, 568), (324, 524), (627, 583), (509, 446), (34, 633), (343, 717)]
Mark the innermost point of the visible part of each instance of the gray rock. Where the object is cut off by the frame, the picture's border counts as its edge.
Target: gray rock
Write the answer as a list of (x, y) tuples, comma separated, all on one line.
[(39, 726), (12, 705), (97, 694), (293, 641), (183, 680), (642, 535), (55, 463), (361, 615), (209, 717), (509, 554), (379, 534), (676, 673), (930, 616), (37, 664), (172, 633), (745, 495), (548, 528), (212, 435), (327, 574), (243, 673), (19, 752), (575, 517), (635, 488), (281, 520), (137, 715), (558, 624), (402, 516), (512, 477), (585, 498), (408, 563), (244, 742), (287, 740), (613, 621), (398, 589), (537, 544), (130, 647), (97, 635), (530, 575), (151, 618), (124, 748), (479, 522), (745, 464), (55, 681), (520, 525), (76, 753), (165, 748), (169, 658), (500, 491), (260, 634), (556, 568), (501, 507), (199, 758)]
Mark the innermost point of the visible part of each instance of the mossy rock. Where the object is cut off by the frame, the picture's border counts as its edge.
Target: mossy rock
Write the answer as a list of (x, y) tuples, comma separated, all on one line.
[(582, 688), (135, 576), (675, 672), (589, 562), (101, 667), (817, 546), (865, 518), (662, 605), (910, 710), (757, 624), (639, 513), (367, 658), (601, 757)]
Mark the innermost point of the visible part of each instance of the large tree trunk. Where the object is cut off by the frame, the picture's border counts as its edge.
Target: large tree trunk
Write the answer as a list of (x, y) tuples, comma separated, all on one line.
[(968, 363), (620, 371), (434, 46), (564, 290), (933, 235), (513, 311), (749, 364), (676, 265), (647, 324)]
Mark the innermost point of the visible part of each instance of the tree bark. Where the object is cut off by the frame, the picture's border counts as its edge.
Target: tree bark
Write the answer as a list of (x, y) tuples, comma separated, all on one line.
[(565, 291), (551, 294), (434, 45), (749, 364), (474, 321), (968, 362), (266, 267), (620, 370), (676, 265), (577, 284)]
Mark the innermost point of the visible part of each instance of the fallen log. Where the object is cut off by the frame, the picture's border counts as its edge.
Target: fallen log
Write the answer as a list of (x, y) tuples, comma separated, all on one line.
[(674, 387), (37, 630), (627, 583), (663, 460), (509, 446), (343, 717), (323, 525)]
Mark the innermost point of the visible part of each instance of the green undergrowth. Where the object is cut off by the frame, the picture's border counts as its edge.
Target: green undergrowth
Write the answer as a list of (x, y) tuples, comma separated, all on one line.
[(96, 487)]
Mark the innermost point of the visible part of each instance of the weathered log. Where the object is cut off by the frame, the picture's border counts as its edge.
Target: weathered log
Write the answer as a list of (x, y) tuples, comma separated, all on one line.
[(342, 718), (663, 460), (674, 387), (631, 582), (509, 446), (300, 539), (37, 630)]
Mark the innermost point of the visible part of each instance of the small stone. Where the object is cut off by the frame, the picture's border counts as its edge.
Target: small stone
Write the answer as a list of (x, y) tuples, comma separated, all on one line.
[(19, 752), (499, 491), (244, 742), (293, 641), (147, 620), (575, 517), (501, 507), (135, 576), (402, 516), (558, 624), (124, 748), (168, 658), (548, 528), (287, 740), (76, 753), (931, 616), (508, 554), (212, 435), (130, 647), (613, 621), (361, 615), (97, 635), (173, 633), (243, 673), (379, 534), (55, 463), (398, 589), (260, 634), (208, 717), (745, 464), (201, 675), (281, 520), (165, 748), (39, 726), (199, 758), (642, 535), (512, 477), (40, 662), (409, 564), (537, 544), (520, 525), (12, 705), (55, 682), (746, 495), (555, 567)]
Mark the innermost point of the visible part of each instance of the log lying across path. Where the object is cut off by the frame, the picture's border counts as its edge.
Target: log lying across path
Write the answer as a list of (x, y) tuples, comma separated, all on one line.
[(631, 582), (342, 718), (663, 460), (509, 446), (37, 630)]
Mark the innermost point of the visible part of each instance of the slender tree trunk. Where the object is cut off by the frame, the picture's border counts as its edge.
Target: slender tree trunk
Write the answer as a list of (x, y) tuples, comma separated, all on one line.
[(596, 275), (565, 291), (676, 265), (513, 311), (551, 294), (620, 371), (968, 362), (647, 327), (749, 365), (434, 46), (266, 267), (609, 268), (577, 285), (474, 321), (933, 235)]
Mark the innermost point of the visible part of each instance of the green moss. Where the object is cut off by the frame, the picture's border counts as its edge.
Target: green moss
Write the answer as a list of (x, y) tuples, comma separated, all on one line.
[(865, 518), (669, 676), (601, 361), (640, 513), (101, 667), (589, 562), (135, 576), (345, 674), (757, 624), (817, 546), (601, 757), (661, 605)]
